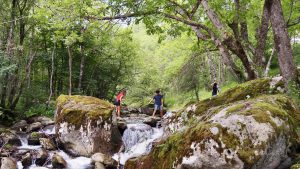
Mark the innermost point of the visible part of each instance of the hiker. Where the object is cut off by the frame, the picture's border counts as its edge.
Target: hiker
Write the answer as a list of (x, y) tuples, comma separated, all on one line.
[(158, 103), (215, 89), (118, 100)]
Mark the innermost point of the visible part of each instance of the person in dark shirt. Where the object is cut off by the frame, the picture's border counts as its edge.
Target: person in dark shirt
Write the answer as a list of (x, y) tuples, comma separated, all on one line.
[(158, 103), (215, 89)]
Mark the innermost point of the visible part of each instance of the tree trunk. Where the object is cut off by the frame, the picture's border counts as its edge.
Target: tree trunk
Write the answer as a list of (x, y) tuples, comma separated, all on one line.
[(9, 48), (231, 43), (282, 43), (267, 69), (51, 75), (212, 67), (261, 36), (70, 71), (81, 67)]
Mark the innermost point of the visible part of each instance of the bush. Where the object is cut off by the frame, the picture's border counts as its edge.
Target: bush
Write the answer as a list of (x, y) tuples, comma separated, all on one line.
[(40, 110)]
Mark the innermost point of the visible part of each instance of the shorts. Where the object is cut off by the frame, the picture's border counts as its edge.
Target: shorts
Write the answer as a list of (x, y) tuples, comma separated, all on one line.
[(117, 103), (158, 107)]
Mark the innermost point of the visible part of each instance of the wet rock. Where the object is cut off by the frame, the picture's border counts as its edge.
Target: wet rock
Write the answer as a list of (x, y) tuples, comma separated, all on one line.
[(26, 160), (47, 144), (41, 157), (122, 126), (34, 127), (83, 125), (45, 121), (8, 163), (99, 165), (10, 137), (229, 131), (152, 121), (20, 126), (104, 159), (58, 162), (34, 138)]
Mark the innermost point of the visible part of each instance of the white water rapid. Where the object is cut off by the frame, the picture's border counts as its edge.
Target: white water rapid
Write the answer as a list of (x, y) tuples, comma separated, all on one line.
[(72, 163), (138, 139)]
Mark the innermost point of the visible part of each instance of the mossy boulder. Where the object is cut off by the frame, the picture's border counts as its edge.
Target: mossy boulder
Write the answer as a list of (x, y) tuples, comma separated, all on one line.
[(238, 132), (83, 125)]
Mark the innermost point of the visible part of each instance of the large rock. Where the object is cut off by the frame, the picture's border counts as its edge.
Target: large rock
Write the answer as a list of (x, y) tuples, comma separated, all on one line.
[(104, 159), (58, 162), (9, 137), (20, 125), (26, 160), (84, 127), (34, 138), (47, 144), (41, 157), (45, 121), (239, 132), (8, 163), (152, 121), (34, 126)]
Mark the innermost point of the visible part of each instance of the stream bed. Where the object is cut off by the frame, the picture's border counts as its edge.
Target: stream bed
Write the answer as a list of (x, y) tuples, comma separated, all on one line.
[(137, 140)]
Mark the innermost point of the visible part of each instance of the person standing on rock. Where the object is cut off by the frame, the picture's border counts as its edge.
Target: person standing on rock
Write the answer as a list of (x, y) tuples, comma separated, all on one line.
[(215, 89), (118, 101), (158, 103)]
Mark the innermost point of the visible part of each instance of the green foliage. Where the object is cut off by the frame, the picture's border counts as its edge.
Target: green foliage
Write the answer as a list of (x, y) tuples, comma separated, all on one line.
[(40, 110)]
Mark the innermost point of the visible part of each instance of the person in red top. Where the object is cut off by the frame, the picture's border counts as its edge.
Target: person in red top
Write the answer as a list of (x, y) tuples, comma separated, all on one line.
[(118, 100)]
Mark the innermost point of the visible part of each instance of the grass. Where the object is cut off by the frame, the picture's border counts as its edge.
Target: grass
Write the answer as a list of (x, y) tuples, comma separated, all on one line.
[(178, 101)]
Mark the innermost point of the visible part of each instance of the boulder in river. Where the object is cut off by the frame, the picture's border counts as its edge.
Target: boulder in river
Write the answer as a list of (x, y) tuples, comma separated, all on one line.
[(152, 121), (9, 137), (45, 121), (34, 138), (104, 159), (99, 165), (249, 126), (34, 127), (20, 125), (8, 163), (83, 125), (41, 157), (58, 162), (26, 160), (47, 144)]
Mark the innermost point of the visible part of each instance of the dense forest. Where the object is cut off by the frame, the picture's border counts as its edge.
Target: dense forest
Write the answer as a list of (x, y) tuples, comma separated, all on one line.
[(96, 48)]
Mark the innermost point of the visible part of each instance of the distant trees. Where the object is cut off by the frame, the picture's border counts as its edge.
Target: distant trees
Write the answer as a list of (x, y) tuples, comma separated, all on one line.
[(49, 48), (233, 27)]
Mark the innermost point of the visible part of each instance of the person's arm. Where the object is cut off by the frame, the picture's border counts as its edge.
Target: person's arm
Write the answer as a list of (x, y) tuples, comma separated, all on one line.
[(162, 102)]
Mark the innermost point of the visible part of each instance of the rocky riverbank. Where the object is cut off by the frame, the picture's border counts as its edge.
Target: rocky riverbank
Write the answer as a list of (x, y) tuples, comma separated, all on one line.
[(254, 125)]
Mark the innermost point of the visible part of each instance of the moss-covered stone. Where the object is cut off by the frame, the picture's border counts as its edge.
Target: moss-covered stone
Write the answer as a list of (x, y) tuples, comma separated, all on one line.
[(73, 109), (83, 125), (244, 91), (247, 128)]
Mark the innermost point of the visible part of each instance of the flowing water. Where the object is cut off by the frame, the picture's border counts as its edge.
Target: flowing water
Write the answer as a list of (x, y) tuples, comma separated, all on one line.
[(137, 139)]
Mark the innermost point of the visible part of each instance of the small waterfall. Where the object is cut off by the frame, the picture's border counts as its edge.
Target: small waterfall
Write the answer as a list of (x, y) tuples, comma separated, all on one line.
[(137, 139), (24, 139), (136, 133)]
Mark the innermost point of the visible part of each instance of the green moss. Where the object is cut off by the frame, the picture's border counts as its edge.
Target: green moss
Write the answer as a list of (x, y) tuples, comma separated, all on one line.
[(235, 108), (252, 88), (36, 135), (74, 109), (296, 166)]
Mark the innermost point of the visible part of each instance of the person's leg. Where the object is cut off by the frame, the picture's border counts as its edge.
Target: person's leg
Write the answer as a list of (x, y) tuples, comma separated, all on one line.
[(161, 112), (118, 110), (155, 108)]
